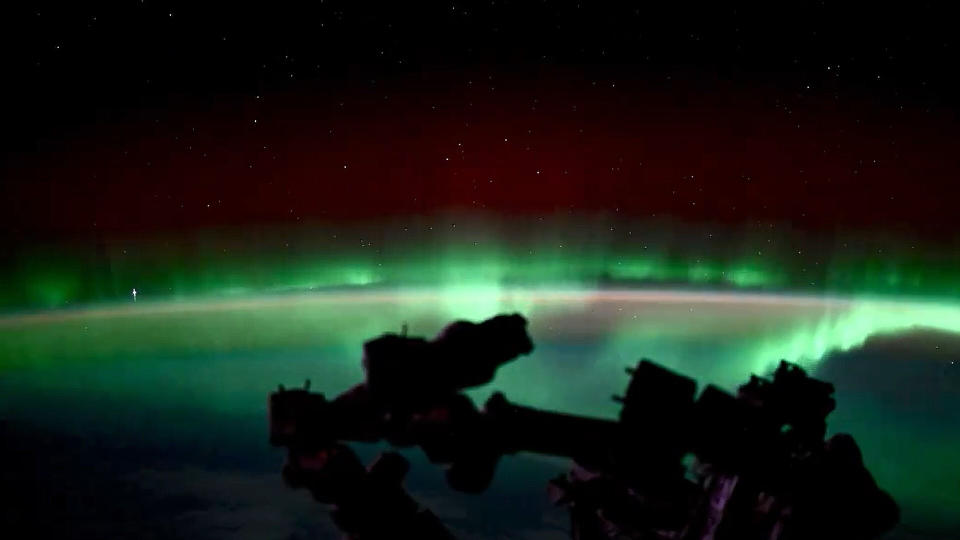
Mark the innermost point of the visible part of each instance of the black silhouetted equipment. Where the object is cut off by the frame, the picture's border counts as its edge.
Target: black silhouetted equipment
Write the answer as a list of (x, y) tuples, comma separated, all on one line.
[(675, 466)]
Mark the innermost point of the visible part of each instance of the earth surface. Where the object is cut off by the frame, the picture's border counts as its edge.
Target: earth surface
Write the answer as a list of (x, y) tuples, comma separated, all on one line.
[(148, 419)]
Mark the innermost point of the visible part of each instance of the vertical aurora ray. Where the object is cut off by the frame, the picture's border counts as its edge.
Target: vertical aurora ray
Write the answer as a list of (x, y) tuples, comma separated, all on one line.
[(483, 254), (803, 330), (843, 329)]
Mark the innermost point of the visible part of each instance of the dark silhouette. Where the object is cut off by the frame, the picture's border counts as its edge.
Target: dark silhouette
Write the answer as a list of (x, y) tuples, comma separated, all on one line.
[(675, 466)]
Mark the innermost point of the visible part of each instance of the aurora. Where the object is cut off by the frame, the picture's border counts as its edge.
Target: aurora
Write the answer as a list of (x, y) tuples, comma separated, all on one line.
[(474, 252)]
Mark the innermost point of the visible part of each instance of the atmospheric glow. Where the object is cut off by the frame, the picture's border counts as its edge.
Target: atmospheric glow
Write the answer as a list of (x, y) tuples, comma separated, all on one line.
[(61, 280), (762, 328)]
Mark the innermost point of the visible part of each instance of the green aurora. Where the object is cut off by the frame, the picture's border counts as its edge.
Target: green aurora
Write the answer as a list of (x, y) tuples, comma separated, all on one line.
[(799, 328), (223, 316), (575, 253)]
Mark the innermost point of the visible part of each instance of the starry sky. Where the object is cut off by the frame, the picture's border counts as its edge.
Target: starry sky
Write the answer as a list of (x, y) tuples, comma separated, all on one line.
[(816, 140)]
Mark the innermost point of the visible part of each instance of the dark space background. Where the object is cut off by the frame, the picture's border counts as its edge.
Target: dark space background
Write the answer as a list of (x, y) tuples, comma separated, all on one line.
[(828, 115)]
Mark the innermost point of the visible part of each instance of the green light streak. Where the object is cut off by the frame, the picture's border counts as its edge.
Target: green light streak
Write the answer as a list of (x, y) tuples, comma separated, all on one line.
[(489, 255), (750, 331), (842, 330)]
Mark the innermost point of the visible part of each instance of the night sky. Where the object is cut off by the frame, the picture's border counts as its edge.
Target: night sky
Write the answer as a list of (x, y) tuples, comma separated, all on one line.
[(818, 140)]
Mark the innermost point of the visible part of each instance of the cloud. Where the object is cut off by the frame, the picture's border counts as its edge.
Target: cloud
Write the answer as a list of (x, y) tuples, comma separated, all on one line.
[(899, 396), (236, 504), (441, 505), (914, 373)]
